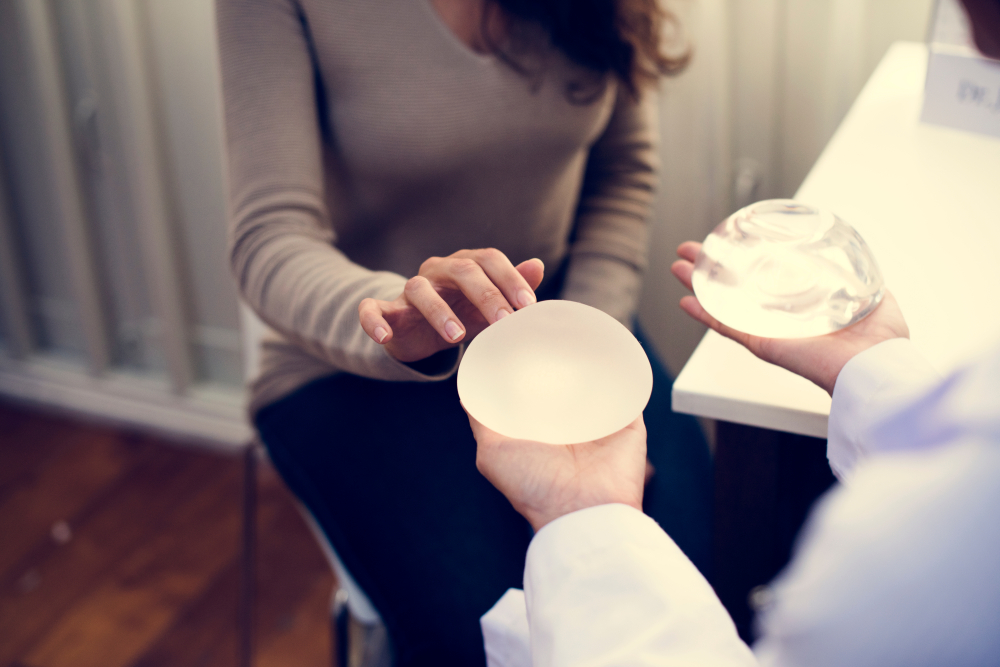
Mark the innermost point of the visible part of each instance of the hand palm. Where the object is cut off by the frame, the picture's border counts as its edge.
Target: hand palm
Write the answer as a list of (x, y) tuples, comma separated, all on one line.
[(545, 481), (818, 359)]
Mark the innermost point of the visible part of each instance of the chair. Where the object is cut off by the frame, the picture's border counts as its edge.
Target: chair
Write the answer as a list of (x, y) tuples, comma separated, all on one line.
[(357, 631)]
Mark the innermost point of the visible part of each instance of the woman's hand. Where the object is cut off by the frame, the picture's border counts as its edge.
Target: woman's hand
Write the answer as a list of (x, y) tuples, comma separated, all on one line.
[(819, 359), (451, 299), (544, 482)]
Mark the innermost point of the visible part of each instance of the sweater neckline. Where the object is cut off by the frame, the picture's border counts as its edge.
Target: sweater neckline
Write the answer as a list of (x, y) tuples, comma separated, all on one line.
[(453, 39)]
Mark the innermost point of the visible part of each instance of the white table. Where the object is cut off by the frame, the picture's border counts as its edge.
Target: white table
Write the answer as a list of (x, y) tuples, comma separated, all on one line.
[(926, 199)]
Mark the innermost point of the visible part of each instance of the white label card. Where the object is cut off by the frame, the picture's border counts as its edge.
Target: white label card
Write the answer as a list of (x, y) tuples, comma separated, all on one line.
[(963, 92)]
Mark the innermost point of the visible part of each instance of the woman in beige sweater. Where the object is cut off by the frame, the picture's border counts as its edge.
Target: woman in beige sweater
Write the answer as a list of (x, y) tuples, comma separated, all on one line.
[(402, 174)]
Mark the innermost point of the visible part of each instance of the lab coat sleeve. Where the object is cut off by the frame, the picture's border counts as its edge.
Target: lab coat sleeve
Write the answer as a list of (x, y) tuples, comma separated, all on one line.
[(505, 632), (897, 567), (606, 586), (875, 383)]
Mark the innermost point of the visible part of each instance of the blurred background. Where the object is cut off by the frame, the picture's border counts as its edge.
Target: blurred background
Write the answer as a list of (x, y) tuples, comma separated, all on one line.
[(116, 297), (116, 303)]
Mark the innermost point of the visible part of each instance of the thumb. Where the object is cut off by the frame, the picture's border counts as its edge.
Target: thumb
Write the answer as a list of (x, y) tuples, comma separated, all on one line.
[(482, 434)]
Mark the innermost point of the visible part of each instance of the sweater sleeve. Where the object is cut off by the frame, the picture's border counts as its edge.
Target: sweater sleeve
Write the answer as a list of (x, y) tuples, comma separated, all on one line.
[(281, 236), (608, 255)]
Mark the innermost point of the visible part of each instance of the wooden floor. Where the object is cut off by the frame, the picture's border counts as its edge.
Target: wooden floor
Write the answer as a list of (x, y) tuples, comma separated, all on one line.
[(118, 549)]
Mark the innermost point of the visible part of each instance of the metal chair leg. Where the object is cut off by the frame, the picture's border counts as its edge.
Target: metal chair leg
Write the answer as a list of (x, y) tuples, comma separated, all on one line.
[(248, 573), (370, 641), (356, 644), (340, 618)]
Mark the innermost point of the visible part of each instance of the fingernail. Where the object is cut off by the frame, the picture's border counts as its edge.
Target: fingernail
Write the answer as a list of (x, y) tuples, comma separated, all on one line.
[(502, 313), (525, 298), (453, 330), (381, 333)]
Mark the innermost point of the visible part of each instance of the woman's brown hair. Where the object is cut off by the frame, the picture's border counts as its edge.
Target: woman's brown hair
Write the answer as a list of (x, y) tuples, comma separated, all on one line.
[(621, 37)]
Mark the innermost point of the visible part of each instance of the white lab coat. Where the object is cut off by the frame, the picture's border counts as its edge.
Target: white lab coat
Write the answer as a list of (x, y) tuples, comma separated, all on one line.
[(898, 565)]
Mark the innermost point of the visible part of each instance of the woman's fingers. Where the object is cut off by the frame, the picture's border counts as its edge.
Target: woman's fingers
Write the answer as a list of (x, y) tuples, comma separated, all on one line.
[(469, 277), (486, 278), (501, 273), (464, 271), (372, 321), (421, 294)]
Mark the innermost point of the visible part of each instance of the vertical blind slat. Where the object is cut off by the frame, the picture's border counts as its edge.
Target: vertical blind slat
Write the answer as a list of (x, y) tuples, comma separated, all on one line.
[(143, 159), (43, 52), (13, 296)]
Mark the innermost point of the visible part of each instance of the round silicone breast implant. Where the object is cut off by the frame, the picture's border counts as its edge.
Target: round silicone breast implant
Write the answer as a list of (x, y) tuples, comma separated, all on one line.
[(782, 269), (557, 372)]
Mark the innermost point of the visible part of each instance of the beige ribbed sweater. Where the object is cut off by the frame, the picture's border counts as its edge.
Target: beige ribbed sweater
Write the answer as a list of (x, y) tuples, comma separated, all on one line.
[(364, 137)]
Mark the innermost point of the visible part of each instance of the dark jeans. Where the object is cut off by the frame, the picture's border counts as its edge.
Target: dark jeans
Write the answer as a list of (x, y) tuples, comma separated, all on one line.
[(388, 469)]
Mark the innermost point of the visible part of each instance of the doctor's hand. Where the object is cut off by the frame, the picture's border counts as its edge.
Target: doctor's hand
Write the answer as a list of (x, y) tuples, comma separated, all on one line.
[(450, 300), (544, 482), (819, 359)]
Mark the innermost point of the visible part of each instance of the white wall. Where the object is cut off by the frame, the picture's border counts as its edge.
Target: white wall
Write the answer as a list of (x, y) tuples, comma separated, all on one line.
[(184, 56), (696, 140)]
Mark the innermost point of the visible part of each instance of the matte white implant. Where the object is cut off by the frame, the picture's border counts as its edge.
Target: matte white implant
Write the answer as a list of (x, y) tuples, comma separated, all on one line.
[(557, 372)]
